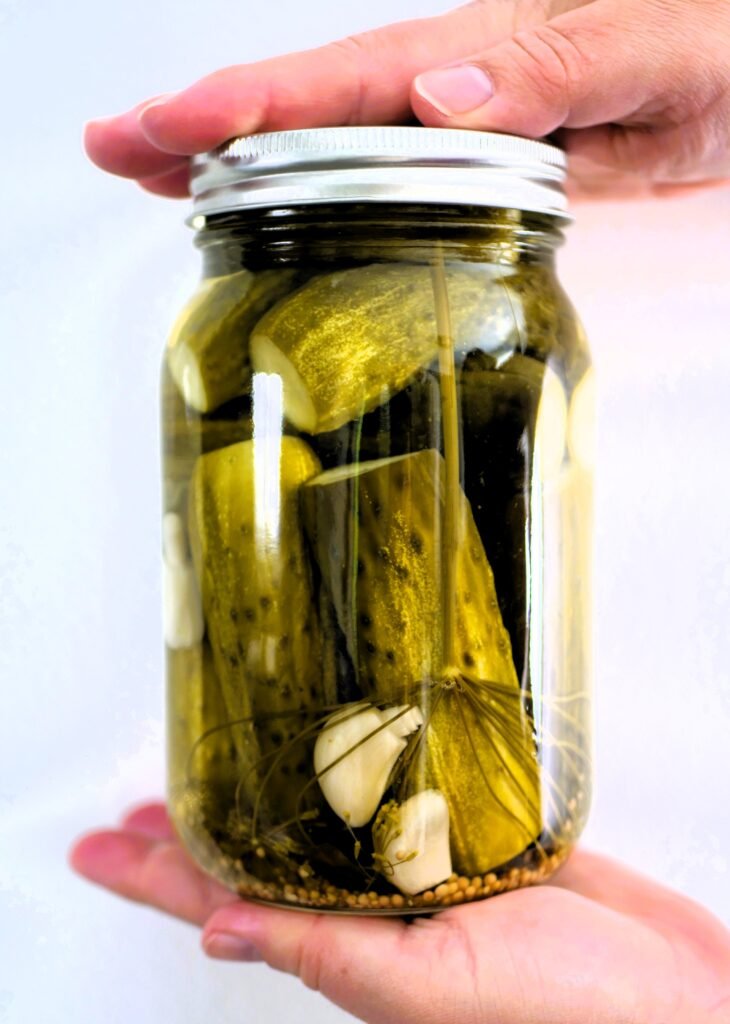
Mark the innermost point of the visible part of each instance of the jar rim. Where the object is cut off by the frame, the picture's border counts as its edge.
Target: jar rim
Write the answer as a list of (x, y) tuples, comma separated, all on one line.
[(379, 164)]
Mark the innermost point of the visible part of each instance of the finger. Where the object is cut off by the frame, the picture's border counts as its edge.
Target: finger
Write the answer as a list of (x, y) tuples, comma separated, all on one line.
[(620, 888), (146, 870), (365, 965), (589, 179), (665, 156), (481, 961), (585, 67), (604, 880), (150, 820), (175, 184), (363, 80), (117, 145)]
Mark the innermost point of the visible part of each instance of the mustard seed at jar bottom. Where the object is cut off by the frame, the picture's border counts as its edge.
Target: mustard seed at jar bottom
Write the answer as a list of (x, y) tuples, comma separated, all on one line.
[(377, 413)]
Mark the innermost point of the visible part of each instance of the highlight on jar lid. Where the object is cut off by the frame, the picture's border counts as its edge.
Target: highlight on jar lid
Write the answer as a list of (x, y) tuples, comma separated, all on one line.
[(379, 165)]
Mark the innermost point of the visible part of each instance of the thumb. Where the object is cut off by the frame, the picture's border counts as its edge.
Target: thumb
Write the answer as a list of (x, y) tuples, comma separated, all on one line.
[(365, 965), (586, 67)]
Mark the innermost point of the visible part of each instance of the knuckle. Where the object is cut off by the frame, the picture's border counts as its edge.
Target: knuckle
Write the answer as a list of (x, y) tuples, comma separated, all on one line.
[(691, 151), (355, 51), (553, 58), (351, 48), (311, 957), (512, 16)]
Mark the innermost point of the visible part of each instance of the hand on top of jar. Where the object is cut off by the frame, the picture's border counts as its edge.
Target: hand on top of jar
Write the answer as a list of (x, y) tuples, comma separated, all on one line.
[(597, 943), (639, 91)]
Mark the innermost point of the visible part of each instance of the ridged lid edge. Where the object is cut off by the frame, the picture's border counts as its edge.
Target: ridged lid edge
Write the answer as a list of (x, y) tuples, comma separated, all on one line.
[(396, 164), (407, 141)]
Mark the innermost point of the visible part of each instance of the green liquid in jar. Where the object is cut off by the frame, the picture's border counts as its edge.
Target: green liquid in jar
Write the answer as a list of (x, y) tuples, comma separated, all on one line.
[(367, 533)]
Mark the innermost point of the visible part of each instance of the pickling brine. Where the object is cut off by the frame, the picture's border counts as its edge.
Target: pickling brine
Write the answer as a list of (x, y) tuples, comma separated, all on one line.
[(376, 542)]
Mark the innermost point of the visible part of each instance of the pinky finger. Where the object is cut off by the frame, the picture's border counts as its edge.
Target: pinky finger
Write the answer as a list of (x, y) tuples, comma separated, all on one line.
[(149, 819), (633, 160), (173, 184), (146, 870)]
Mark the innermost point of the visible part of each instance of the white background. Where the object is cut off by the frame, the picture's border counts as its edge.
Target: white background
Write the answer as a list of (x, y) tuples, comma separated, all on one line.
[(92, 274)]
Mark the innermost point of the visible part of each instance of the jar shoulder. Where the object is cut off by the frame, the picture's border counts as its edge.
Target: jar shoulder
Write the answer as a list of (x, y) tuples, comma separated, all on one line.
[(547, 323)]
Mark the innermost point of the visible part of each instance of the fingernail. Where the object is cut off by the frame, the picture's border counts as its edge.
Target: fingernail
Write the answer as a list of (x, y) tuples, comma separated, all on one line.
[(225, 946), (455, 90), (158, 101)]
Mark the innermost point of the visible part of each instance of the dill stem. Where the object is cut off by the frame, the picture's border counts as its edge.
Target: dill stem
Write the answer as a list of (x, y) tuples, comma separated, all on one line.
[(451, 528), (355, 548)]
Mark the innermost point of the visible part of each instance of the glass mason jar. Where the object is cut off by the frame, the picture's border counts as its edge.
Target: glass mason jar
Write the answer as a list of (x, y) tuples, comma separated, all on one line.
[(377, 486)]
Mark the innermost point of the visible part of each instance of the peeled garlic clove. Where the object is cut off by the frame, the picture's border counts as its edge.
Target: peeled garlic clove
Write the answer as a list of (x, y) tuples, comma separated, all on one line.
[(174, 540), (412, 842), (182, 617), (182, 613), (354, 755)]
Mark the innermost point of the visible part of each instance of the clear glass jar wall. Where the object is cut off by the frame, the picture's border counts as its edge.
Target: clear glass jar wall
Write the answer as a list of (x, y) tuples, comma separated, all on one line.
[(377, 489)]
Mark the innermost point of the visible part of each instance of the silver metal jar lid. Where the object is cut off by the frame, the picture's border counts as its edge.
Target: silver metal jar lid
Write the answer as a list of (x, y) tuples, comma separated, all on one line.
[(379, 165)]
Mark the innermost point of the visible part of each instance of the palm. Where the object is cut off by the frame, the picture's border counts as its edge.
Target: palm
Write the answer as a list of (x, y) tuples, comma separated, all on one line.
[(599, 943)]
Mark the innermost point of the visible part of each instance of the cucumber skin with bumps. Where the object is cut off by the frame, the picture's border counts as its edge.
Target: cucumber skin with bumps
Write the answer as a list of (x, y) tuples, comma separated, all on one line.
[(376, 538), (275, 665)]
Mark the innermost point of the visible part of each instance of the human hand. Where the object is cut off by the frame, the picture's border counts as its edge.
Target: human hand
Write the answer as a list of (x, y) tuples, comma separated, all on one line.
[(639, 89), (598, 944)]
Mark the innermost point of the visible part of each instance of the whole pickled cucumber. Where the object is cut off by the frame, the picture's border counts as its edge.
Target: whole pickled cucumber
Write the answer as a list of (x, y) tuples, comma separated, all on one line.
[(346, 342), (208, 350), (376, 532), (375, 529), (480, 753), (273, 662)]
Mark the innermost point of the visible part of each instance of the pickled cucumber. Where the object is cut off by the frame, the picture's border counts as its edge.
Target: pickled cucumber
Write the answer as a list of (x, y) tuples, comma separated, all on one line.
[(208, 760), (499, 405), (376, 530), (200, 748), (549, 329), (346, 342), (481, 754), (188, 434), (268, 647), (208, 350)]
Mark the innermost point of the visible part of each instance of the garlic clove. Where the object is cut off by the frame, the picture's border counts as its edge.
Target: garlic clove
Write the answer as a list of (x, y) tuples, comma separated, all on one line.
[(355, 753), (182, 612), (182, 615), (403, 722), (412, 842), (175, 548)]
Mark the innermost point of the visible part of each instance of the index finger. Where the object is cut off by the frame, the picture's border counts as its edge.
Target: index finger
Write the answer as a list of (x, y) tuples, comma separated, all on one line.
[(148, 870), (364, 79)]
